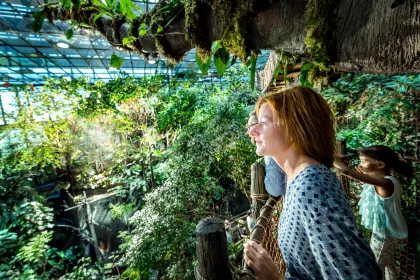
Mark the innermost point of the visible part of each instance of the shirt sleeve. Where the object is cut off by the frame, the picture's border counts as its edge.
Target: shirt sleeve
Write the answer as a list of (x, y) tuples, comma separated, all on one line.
[(275, 178)]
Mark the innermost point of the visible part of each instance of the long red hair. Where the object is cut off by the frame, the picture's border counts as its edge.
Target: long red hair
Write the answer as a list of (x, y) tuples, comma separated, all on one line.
[(307, 119)]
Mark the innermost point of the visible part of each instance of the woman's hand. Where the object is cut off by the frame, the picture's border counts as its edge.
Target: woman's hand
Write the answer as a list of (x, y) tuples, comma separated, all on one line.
[(257, 258)]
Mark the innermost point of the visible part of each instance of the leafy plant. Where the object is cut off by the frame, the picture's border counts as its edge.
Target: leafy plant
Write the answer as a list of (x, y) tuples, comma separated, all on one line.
[(116, 61)]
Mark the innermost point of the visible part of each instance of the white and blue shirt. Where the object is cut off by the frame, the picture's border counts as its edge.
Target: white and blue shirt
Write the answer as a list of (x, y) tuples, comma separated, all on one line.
[(317, 233)]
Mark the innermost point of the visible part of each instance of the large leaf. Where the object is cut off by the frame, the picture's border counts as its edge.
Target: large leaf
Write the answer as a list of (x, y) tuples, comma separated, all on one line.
[(76, 3), (143, 29), (286, 82), (215, 46), (66, 4), (253, 69), (221, 60), (69, 34), (277, 71), (304, 79), (116, 61), (304, 74), (204, 67), (127, 7), (98, 16), (103, 8), (39, 18), (306, 67), (129, 40)]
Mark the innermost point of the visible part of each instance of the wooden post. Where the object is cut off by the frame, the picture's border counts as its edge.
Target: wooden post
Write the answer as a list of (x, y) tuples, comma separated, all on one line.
[(258, 193), (212, 254)]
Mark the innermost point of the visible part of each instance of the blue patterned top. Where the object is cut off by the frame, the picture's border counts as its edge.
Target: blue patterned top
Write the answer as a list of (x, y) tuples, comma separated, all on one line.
[(318, 236)]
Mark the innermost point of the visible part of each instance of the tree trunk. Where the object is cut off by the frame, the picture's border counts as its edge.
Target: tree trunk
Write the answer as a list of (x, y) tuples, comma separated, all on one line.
[(90, 225), (371, 36)]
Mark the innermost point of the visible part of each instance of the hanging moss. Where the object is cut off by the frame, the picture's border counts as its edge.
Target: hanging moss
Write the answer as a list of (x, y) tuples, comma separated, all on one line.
[(134, 31), (194, 23), (320, 32), (235, 17), (238, 40), (118, 21), (158, 18)]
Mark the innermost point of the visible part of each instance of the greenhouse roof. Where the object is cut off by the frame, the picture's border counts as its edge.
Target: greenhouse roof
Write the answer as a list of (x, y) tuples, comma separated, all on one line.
[(27, 57)]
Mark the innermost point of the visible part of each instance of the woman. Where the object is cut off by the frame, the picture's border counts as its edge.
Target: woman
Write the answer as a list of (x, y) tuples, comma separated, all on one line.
[(317, 232)]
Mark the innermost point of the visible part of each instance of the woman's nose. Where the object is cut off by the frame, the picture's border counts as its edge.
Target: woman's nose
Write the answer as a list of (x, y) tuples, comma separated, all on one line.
[(253, 131)]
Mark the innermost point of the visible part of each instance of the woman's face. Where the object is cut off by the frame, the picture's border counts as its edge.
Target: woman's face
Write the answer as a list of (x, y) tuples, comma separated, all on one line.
[(270, 139)]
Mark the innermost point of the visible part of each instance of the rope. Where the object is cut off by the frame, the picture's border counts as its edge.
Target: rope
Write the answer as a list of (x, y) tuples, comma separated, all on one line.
[(243, 275), (260, 197), (197, 274), (262, 217)]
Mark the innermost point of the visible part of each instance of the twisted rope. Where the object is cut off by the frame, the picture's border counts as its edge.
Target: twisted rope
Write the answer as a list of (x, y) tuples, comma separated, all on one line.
[(243, 274), (260, 197), (197, 274)]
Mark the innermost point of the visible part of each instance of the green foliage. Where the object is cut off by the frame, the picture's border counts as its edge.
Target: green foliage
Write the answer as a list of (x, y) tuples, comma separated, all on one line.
[(8, 241), (304, 74), (253, 61), (203, 66), (76, 3), (221, 60), (39, 18), (374, 109), (209, 147), (36, 248), (69, 34), (126, 8), (85, 270), (116, 61), (113, 8), (118, 211), (177, 108), (129, 40)]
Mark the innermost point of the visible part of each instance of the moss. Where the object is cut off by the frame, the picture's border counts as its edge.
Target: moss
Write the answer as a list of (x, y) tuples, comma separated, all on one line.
[(118, 21), (195, 24), (234, 16), (238, 39), (155, 19), (134, 31), (319, 37)]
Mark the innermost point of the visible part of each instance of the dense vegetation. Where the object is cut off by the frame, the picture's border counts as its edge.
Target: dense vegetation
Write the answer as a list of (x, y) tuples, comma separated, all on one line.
[(170, 152)]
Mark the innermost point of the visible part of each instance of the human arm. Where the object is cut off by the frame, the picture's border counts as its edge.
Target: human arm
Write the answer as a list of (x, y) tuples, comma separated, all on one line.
[(365, 178), (257, 258), (275, 178)]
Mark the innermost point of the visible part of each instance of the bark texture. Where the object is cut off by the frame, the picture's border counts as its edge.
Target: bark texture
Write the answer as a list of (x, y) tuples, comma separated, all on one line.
[(212, 252), (371, 36)]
